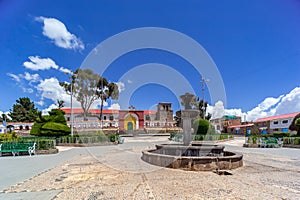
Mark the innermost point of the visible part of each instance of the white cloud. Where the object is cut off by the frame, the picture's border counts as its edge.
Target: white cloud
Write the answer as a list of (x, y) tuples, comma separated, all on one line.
[(40, 103), (14, 77), (18, 78), (121, 86), (31, 77), (46, 110), (270, 106), (114, 106), (97, 103), (218, 110), (28, 90), (65, 70), (264, 109), (236, 112), (58, 33), (37, 63), (129, 81), (50, 89), (289, 103)]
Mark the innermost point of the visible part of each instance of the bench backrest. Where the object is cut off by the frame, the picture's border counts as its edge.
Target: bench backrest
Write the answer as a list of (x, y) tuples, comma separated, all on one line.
[(16, 145)]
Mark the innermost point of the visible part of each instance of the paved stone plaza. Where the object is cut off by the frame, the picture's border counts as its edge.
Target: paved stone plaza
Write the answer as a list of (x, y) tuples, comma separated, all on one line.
[(117, 172)]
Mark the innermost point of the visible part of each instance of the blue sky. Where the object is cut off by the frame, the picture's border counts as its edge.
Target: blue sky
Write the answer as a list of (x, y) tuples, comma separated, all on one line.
[(254, 44)]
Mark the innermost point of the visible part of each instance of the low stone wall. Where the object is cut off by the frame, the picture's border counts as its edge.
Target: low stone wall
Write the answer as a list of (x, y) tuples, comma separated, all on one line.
[(49, 151), (205, 163), (292, 146), (251, 145), (86, 145)]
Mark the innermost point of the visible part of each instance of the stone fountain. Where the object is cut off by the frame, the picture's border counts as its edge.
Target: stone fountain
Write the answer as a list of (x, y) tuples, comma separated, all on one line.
[(189, 156), (187, 115)]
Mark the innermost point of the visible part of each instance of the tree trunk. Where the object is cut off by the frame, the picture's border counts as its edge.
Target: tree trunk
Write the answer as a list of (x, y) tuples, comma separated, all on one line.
[(101, 109), (84, 115)]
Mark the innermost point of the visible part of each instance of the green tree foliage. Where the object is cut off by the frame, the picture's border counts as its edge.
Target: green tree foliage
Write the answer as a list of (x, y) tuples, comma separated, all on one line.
[(295, 125), (23, 111), (201, 126), (60, 103), (202, 106), (105, 91), (84, 87), (87, 87), (53, 125)]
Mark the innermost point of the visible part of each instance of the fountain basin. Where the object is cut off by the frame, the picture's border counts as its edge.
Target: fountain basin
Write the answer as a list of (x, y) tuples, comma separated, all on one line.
[(195, 158)]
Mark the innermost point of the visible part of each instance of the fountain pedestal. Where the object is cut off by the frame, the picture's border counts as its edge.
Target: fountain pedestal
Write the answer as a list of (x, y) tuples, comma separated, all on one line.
[(187, 116)]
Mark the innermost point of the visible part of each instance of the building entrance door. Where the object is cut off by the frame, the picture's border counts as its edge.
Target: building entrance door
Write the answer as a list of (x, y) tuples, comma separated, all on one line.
[(130, 126)]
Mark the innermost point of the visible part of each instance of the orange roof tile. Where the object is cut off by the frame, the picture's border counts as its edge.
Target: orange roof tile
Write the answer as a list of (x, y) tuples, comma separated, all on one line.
[(290, 115), (149, 112), (93, 111)]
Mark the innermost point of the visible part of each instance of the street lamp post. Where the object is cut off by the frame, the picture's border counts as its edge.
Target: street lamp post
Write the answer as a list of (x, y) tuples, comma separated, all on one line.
[(202, 82), (72, 128)]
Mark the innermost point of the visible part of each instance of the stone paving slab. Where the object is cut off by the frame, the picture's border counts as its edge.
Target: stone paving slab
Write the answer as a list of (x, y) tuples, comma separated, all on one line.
[(103, 173), (30, 195)]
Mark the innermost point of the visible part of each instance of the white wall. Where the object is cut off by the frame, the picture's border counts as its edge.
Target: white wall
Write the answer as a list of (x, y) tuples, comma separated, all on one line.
[(281, 123)]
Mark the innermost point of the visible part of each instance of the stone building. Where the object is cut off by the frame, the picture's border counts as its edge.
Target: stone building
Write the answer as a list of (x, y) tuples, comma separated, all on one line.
[(221, 124), (130, 119)]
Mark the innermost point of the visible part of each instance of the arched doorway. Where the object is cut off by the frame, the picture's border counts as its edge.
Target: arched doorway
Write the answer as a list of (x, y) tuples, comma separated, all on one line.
[(130, 122)]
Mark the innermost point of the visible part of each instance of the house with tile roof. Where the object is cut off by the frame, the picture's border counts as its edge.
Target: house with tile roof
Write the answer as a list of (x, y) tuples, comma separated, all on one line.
[(278, 123)]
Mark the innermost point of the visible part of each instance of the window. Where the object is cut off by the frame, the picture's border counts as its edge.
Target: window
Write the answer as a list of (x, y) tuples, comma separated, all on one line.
[(285, 121), (104, 117), (111, 118), (275, 122)]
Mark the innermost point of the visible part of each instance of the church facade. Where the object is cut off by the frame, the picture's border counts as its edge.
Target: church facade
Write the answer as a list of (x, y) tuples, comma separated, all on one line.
[(130, 119)]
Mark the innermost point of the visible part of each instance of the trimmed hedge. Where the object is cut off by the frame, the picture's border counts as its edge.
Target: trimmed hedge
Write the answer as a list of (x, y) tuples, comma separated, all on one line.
[(87, 139), (201, 137), (53, 125), (212, 137), (201, 126), (291, 140)]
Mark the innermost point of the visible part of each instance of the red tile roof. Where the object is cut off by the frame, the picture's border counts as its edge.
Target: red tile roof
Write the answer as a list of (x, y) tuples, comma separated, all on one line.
[(240, 126), (92, 111), (290, 115), (97, 111), (149, 112)]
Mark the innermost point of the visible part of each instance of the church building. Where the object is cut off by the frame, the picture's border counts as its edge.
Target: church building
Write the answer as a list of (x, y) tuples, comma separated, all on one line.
[(129, 119)]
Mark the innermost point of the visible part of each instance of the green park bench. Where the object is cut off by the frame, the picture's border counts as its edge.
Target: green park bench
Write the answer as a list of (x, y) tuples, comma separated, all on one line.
[(270, 142), (16, 148)]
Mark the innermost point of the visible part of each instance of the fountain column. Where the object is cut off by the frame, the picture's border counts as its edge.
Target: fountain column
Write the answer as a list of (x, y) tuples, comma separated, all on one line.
[(187, 115)]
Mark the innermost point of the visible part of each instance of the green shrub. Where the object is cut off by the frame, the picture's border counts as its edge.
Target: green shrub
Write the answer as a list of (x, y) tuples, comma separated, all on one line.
[(201, 126), (88, 139), (53, 125), (54, 129), (212, 137), (8, 137), (281, 134), (291, 140), (211, 130)]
